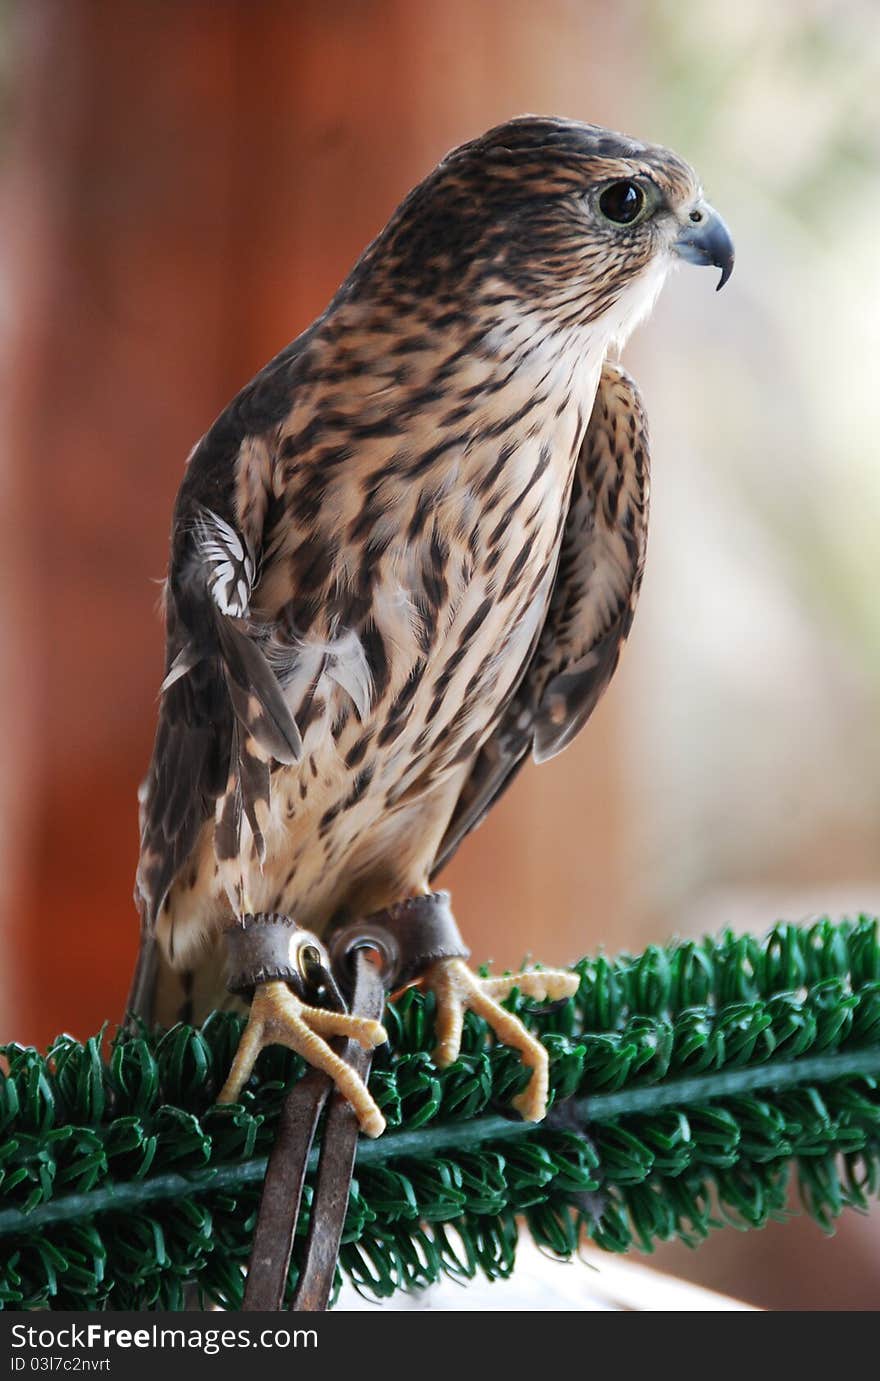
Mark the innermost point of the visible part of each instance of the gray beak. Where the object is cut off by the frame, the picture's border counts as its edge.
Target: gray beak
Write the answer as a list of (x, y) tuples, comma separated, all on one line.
[(707, 241)]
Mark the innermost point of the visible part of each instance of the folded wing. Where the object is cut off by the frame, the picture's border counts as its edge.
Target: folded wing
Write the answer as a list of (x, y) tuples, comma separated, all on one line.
[(223, 719)]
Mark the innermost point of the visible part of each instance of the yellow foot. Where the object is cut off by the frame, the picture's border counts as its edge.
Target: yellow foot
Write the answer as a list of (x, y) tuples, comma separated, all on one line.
[(277, 1017), (456, 987)]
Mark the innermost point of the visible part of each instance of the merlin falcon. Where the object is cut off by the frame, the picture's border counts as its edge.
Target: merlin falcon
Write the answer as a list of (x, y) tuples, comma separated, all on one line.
[(404, 559)]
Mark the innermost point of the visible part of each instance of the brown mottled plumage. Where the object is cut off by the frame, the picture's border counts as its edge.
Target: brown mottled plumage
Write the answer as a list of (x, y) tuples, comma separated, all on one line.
[(408, 553)]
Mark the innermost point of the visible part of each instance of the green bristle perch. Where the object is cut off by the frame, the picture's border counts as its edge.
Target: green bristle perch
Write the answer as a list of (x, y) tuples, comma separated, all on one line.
[(691, 1084)]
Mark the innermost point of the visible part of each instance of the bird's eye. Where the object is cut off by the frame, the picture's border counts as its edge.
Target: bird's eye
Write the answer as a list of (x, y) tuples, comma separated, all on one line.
[(622, 202)]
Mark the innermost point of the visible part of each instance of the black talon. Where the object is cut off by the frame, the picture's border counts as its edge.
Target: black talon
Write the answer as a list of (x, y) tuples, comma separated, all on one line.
[(545, 1008)]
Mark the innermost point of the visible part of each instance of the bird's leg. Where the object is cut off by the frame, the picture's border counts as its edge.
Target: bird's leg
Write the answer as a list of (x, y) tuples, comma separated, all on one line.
[(280, 963), (456, 987), (279, 1017)]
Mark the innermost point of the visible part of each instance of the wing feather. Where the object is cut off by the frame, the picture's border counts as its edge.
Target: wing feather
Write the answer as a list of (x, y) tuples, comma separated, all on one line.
[(222, 716)]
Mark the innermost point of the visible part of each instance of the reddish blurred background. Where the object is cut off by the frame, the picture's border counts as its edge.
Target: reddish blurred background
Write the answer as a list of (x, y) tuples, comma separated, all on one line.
[(183, 186)]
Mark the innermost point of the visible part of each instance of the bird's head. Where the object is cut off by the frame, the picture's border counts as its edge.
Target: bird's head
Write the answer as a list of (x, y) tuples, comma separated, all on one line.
[(570, 220)]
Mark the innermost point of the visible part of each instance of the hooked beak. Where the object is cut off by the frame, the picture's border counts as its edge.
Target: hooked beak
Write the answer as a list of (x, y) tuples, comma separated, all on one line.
[(707, 241)]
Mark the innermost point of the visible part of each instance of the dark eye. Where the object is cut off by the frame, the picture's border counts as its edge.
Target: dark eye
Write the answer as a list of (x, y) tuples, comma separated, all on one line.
[(622, 202)]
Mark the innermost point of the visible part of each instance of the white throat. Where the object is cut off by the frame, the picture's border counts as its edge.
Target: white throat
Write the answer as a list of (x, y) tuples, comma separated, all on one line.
[(635, 303), (524, 336)]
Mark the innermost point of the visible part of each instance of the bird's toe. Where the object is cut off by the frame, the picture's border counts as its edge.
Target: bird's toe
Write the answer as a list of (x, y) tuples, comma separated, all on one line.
[(457, 988), (277, 1017)]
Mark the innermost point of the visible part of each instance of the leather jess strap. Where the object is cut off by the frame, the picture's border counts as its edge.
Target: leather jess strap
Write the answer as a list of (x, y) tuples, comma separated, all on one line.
[(409, 936), (366, 958), (338, 1150), (282, 1193)]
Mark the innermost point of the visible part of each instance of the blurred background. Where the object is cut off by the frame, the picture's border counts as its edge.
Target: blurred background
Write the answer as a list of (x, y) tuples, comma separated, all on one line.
[(183, 186)]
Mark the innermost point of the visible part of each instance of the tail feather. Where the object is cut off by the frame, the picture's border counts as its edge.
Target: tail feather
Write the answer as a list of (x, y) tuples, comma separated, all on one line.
[(161, 995)]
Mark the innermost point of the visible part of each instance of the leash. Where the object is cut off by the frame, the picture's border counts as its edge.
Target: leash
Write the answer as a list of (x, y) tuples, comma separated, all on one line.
[(364, 960)]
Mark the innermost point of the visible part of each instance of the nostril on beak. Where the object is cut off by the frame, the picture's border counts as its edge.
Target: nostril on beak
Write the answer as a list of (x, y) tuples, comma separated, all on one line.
[(707, 241)]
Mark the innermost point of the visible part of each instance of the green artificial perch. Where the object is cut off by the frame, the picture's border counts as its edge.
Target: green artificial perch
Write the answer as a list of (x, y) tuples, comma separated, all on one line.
[(689, 1086)]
